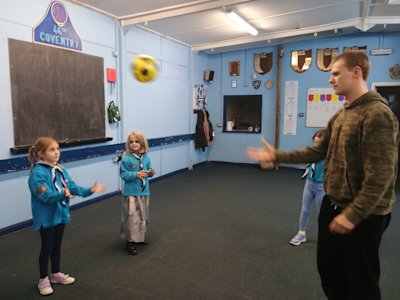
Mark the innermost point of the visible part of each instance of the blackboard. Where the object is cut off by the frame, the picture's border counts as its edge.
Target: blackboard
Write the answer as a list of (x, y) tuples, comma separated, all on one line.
[(56, 92)]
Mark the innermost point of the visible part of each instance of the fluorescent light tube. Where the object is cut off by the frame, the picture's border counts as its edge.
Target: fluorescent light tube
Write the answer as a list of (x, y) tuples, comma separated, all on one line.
[(235, 18)]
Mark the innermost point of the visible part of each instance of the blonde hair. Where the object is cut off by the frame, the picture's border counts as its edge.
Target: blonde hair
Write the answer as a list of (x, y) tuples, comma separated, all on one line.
[(40, 146), (144, 145)]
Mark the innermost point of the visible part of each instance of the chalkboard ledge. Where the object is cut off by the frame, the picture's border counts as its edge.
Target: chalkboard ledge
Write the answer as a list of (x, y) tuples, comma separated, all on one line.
[(63, 144)]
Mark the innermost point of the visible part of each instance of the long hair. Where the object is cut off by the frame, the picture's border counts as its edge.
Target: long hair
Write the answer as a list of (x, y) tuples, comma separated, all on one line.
[(144, 145), (40, 146), (318, 133)]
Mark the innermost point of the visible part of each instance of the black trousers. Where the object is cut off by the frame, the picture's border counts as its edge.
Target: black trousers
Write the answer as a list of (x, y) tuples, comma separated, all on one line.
[(51, 248), (349, 264)]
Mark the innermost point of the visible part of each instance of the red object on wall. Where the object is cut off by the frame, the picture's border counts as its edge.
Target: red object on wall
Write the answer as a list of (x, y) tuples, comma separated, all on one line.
[(111, 75)]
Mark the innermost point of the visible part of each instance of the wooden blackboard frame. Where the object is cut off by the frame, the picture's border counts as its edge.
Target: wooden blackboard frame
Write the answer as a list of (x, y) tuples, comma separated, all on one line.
[(56, 92), (25, 148)]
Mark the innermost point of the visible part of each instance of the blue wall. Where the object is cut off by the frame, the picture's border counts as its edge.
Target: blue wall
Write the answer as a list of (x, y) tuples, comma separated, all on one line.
[(162, 109), (231, 147)]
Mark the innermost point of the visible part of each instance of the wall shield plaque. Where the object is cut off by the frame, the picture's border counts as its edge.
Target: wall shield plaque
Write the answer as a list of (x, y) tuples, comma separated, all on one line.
[(325, 58), (356, 48), (262, 62), (268, 84), (301, 60), (256, 84)]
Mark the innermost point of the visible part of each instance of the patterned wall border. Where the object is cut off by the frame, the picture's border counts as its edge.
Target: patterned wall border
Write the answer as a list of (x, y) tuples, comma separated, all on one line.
[(21, 163)]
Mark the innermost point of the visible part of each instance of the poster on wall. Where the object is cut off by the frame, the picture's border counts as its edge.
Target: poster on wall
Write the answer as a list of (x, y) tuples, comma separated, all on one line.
[(199, 96), (322, 104), (290, 109)]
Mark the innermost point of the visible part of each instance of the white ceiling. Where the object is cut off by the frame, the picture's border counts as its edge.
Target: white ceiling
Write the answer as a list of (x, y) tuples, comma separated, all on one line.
[(204, 26)]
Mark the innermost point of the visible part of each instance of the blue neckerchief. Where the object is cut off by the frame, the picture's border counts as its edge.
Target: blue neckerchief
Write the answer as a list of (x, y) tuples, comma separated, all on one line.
[(64, 181), (308, 168), (141, 169)]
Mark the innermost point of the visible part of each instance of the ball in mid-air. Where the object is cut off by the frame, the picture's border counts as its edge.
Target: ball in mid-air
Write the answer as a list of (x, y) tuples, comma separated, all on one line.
[(145, 68)]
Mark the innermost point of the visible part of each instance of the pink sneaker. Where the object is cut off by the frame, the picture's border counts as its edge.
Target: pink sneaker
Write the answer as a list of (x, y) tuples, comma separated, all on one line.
[(61, 278), (44, 286)]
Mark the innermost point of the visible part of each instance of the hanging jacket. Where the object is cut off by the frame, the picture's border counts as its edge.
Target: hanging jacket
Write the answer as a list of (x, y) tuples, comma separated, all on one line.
[(204, 130)]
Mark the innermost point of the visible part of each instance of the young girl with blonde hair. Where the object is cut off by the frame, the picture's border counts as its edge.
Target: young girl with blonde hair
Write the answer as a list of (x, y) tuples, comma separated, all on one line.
[(51, 189), (135, 171)]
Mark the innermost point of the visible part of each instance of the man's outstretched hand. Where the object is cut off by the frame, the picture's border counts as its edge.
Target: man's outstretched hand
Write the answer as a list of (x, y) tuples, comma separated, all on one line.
[(265, 154)]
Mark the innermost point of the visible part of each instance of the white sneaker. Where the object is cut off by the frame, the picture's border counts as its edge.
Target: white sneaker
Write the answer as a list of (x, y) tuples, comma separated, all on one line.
[(44, 286), (61, 278), (298, 239)]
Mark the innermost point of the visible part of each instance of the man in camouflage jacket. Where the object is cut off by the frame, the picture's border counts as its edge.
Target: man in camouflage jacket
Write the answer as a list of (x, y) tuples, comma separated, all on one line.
[(360, 145)]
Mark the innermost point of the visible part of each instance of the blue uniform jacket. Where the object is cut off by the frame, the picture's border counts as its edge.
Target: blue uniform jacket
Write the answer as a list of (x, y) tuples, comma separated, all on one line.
[(317, 175), (50, 207), (130, 165)]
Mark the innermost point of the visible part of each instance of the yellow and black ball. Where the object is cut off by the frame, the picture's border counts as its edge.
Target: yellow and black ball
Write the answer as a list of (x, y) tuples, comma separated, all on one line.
[(145, 68)]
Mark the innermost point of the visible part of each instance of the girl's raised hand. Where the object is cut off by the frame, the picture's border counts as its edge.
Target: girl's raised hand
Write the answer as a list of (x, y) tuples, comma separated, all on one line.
[(67, 193), (142, 174), (98, 188)]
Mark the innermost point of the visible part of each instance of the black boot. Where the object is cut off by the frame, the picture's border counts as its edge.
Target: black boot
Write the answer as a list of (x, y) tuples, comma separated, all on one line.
[(131, 248)]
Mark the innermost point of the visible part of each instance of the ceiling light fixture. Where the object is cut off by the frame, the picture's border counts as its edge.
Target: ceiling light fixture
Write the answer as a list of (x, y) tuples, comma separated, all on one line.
[(235, 18)]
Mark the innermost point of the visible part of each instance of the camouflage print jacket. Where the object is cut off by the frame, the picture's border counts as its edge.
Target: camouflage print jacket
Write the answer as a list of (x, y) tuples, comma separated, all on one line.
[(361, 149)]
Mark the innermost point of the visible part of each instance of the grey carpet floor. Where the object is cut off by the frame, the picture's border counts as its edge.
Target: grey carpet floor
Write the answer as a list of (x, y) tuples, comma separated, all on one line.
[(220, 231)]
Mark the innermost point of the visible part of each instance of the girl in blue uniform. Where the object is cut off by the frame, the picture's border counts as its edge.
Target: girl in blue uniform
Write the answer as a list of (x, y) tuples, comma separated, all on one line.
[(313, 192), (135, 171), (51, 189)]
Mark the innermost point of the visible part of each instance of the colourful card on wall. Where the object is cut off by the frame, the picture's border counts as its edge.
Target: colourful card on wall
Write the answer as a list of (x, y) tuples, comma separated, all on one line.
[(322, 104)]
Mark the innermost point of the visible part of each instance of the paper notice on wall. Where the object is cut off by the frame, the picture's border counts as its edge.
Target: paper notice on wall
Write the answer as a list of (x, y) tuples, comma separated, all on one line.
[(199, 96), (322, 104), (290, 109)]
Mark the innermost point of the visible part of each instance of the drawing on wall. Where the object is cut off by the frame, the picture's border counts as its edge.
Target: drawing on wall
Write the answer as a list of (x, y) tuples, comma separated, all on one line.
[(322, 104), (199, 96)]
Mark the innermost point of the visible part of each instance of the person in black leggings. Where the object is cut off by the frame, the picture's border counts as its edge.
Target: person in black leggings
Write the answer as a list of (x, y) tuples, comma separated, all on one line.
[(51, 189), (50, 248)]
